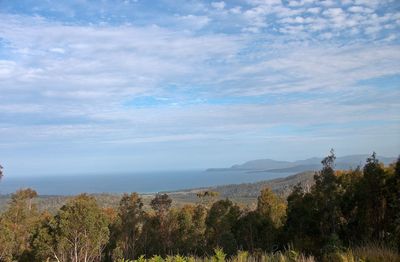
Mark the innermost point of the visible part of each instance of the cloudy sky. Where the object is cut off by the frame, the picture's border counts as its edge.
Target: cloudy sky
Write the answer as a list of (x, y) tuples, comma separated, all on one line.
[(101, 86)]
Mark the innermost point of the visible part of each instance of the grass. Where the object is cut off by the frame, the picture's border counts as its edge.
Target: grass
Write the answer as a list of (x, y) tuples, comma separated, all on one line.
[(367, 253), (242, 256)]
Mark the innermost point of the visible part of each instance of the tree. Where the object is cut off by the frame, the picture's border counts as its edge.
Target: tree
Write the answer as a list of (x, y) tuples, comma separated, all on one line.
[(1, 172), (207, 197), (161, 204), (350, 229), (272, 207), (188, 225), (220, 221), (392, 196), (159, 223), (327, 195), (78, 232), (393, 214), (314, 218), (371, 198), (17, 224), (260, 229), (150, 239), (199, 229), (130, 219), (254, 231), (7, 240)]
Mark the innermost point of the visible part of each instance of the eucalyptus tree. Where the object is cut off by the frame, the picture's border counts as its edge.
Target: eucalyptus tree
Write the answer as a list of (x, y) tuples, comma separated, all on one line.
[(78, 233), (220, 223), (128, 226), (17, 225)]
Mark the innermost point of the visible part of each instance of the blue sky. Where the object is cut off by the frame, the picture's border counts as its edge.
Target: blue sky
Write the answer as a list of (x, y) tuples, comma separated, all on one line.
[(119, 86)]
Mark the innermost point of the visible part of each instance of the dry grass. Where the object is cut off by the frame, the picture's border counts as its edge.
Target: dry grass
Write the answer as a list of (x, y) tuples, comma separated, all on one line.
[(367, 253)]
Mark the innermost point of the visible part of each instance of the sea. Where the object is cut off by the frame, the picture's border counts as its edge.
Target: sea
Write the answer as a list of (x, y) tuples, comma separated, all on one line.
[(141, 182)]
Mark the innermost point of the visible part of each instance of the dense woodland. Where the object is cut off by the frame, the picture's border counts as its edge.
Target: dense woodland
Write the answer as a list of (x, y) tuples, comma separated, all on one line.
[(341, 210)]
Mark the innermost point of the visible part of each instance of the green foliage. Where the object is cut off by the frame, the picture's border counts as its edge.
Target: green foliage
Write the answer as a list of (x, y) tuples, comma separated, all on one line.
[(127, 228), (393, 204), (260, 229), (220, 222), (156, 258), (343, 209), (7, 240), (219, 255), (140, 259), (78, 232), (17, 224), (272, 207), (188, 229)]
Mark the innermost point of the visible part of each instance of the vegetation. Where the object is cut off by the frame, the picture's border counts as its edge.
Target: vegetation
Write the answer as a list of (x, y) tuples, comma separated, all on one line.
[(244, 194), (344, 216)]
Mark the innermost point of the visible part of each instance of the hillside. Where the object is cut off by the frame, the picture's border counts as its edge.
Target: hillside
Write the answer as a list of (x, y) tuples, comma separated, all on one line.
[(310, 164), (244, 194), (280, 186)]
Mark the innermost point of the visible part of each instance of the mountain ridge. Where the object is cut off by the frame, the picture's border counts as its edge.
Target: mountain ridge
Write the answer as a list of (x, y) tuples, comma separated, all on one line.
[(309, 164)]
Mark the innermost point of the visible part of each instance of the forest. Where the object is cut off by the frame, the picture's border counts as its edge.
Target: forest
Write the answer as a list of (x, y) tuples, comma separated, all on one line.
[(346, 215)]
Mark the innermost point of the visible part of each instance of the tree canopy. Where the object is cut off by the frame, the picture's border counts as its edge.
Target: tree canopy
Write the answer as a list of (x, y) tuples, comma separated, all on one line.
[(343, 208)]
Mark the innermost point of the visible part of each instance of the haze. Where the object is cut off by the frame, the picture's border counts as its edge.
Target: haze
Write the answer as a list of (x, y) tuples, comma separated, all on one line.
[(120, 86)]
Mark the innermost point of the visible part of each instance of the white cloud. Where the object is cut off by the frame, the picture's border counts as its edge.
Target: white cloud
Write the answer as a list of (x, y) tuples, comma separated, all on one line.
[(7, 69), (360, 9), (236, 10), (314, 10), (295, 3), (193, 21), (327, 3), (110, 62), (328, 68), (57, 50), (345, 19), (89, 74), (297, 20), (218, 5), (347, 2), (333, 12)]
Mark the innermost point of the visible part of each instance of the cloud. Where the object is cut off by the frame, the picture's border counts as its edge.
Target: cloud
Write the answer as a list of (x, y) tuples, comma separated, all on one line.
[(113, 62), (57, 50), (196, 22), (343, 20), (360, 9), (314, 10), (218, 5), (235, 10), (221, 71)]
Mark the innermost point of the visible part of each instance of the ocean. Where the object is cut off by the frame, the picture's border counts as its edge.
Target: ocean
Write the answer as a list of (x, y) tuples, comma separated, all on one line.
[(141, 182)]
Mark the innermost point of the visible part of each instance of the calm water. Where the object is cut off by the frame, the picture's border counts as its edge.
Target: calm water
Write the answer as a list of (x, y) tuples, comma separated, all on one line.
[(138, 182)]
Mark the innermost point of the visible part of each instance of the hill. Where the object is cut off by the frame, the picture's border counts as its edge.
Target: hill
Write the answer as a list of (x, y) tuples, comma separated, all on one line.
[(281, 186), (310, 164), (244, 194)]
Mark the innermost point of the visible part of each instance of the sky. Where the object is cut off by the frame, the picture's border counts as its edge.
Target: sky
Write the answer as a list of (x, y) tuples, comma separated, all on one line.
[(122, 86)]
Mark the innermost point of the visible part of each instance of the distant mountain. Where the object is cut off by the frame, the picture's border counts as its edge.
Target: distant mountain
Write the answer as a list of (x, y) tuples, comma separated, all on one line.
[(262, 164), (293, 169), (310, 164)]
